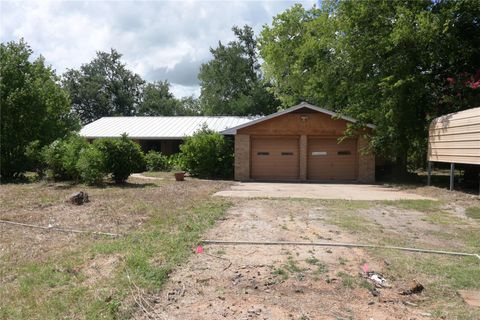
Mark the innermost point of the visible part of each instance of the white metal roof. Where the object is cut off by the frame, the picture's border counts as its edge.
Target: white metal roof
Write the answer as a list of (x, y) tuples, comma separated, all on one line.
[(145, 128), (233, 130)]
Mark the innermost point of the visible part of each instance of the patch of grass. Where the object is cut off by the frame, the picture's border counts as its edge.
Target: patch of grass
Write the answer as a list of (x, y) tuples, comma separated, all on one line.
[(220, 252), (347, 280), (417, 205), (280, 272), (321, 268), (442, 276), (351, 222), (58, 288), (364, 283), (312, 260), (443, 218), (342, 261), (473, 212), (167, 175), (292, 266)]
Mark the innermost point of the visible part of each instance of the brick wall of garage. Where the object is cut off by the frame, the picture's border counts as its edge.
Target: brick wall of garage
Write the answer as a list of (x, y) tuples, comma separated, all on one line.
[(302, 125)]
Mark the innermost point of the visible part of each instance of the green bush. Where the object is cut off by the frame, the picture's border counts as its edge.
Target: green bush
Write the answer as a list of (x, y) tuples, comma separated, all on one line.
[(91, 166), (61, 156), (156, 161), (121, 157), (207, 154), (34, 156)]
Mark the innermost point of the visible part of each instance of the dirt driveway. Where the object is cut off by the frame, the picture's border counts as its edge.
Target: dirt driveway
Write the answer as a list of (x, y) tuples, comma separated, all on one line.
[(317, 191), (295, 282)]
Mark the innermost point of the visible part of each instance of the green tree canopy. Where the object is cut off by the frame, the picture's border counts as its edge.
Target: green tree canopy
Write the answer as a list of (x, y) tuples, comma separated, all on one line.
[(231, 83), (103, 87), (394, 63), (157, 100), (33, 106)]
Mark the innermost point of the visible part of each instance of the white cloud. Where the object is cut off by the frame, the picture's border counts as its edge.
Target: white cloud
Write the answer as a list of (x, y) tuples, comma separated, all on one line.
[(157, 38)]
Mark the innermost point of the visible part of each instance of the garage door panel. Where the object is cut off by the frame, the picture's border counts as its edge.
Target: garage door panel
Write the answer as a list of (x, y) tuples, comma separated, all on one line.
[(274, 158), (330, 160)]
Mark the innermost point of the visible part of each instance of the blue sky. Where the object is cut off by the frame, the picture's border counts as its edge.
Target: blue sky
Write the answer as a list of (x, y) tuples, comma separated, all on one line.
[(158, 39)]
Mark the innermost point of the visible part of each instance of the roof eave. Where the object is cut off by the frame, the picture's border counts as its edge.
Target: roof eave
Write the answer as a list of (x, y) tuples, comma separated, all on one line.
[(288, 110)]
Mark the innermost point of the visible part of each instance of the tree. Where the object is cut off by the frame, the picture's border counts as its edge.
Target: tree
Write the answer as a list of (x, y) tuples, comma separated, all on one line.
[(34, 108), (386, 62), (231, 83), (190, 106), (103, 87), (157, 100)]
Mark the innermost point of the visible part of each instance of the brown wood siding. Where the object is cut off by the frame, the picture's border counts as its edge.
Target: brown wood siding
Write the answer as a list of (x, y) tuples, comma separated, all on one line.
[(330, 160), (318, 124), (455, 138), (275, 158)]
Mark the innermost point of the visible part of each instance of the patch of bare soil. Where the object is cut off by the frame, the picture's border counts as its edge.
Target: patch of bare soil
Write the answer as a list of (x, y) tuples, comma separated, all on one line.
[(99, 268), (281, 282)]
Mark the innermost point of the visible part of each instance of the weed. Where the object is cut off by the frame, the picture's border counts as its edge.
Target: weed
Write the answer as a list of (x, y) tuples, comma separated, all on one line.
[(280, 272), (347, 280), (321, 268), (220, 252), (312, 260)]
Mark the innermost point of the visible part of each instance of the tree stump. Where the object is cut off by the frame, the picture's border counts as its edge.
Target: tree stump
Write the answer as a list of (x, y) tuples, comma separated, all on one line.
[(78, 198)]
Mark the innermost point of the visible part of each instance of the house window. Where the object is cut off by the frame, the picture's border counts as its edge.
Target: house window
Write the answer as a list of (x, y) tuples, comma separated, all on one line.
[(287, 153), (263, 153), (319, 153), (344, 153)]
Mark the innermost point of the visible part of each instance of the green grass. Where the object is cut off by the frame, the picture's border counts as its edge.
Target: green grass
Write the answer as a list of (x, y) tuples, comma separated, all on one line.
[(53, 289), (473, 212), (443, 218), (281, 273), (417, 205), (350, 222), (312, 260), (292, 266), (442, 276), (348, 281)]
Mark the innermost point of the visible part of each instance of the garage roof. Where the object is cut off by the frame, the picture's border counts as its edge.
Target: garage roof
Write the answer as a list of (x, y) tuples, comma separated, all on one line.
[(233, 130), (150, 128)]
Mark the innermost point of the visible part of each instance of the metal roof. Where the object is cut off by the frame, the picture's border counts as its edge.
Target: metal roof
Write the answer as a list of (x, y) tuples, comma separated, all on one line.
[(233, 130), (177, 127)]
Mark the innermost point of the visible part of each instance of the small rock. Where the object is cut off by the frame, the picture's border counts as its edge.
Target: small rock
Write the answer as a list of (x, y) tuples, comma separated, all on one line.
[(425, 314)]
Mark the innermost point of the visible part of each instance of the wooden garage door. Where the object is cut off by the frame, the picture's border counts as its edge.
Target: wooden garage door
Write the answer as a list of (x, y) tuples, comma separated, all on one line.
[(330, 160), (274, 158)]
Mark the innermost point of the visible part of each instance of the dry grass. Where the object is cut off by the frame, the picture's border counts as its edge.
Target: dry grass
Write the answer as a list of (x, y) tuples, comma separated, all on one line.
[(51, 275)]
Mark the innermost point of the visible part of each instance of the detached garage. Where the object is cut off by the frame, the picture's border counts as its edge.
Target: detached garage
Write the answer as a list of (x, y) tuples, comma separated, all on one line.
[(301, 143)]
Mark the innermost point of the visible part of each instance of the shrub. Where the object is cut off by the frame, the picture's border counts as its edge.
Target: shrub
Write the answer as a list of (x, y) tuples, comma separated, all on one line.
[(34, 156), (121, 157), (156, 161), (91, 166), (60, 157), (207, 154)]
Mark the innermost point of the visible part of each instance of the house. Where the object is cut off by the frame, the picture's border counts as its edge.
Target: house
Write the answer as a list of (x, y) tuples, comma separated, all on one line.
[(164, 134), (301, 143)]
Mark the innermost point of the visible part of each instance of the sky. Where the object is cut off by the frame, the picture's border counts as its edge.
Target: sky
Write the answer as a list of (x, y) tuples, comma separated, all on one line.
[(159, 40)]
